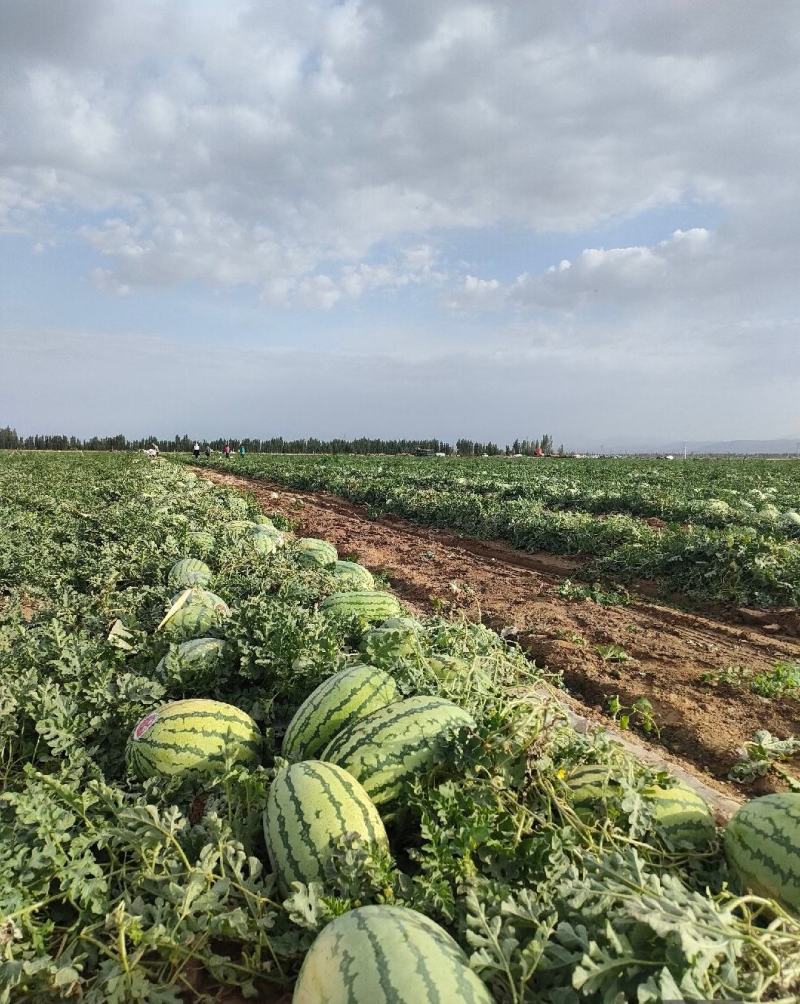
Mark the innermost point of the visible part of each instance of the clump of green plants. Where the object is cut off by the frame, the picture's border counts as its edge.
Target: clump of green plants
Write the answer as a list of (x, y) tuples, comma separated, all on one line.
[(764, 754), (639, 714)]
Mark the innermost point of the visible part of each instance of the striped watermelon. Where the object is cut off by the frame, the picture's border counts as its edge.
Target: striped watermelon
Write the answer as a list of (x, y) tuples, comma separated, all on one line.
[(193, 613), (263, 520), (592, 785), (762, 843), (352, 575), (201, 542), (342, 699), (191, 735), (314, 553), (189, 572), (262, 540), (390, 746), (193, 662), (682, 816), (369, 605), (679, 813), (309, 804), (395, 639), (387, 955)]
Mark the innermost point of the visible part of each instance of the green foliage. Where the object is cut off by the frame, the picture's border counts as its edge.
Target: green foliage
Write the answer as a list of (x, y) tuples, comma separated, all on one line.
[(763, 754), (709, 529), (115, 890)]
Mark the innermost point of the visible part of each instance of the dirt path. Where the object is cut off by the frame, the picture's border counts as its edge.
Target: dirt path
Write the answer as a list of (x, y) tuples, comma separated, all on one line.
[(670, 650)]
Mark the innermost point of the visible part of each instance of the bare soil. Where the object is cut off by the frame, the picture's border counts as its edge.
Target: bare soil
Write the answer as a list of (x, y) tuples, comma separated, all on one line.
[(671, 650)]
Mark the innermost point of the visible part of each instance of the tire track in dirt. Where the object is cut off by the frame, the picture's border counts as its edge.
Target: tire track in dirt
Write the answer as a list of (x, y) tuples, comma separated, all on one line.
[(670, 650)]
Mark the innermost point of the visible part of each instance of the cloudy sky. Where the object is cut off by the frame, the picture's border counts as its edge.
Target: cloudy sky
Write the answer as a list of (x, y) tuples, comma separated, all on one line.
[(420, 218)]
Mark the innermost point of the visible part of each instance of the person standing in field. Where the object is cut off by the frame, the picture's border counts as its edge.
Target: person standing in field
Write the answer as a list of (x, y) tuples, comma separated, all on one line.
[(226, 450), (208, 451), (196, 450), (241, 451)]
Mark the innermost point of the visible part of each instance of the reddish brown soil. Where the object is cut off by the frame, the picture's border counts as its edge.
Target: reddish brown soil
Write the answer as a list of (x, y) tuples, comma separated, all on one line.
[(700, 723)]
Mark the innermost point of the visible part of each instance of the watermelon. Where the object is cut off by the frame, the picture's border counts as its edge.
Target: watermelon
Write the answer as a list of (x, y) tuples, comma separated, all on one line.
[(678, 812), (352, 575), (762, 844), (682, 816), (310, 804), (201, 542), (369, 605), (191, 735), (342, 699), (193, 662), (263, 520), (314, 553), (455, 673), (262, 543), (189, 572), (387, 955), (193, 613), (592, 785), (395, 639), (390, 746)]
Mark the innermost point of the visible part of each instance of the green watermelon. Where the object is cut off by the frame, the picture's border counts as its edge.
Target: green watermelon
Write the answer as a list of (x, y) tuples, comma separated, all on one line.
[(352, 575), (458, 674), (762, 843), (262, 543), (390, 746), (395, 639), (679, 813), (592, 785), (193, 662), (340, 700), (309, 804), (387, 955), (369, 605), (193, 613), (191, 735), (189, 572), (682, 816), (263, 520), (314, 553)]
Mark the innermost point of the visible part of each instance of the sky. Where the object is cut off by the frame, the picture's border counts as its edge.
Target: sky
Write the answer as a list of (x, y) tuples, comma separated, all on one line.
[(415, 219)]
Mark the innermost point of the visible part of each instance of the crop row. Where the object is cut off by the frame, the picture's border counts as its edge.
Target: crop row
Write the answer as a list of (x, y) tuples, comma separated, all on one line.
[(745, 550)]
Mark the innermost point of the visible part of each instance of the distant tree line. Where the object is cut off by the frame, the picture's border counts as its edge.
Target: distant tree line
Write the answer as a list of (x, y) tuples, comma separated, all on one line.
[(11, 440)]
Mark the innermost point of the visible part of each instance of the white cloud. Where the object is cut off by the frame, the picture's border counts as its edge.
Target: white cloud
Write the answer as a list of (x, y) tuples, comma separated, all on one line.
[(239, 142)]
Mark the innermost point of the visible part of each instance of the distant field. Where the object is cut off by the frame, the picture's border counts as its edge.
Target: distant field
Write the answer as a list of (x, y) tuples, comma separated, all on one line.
[(719, 530)]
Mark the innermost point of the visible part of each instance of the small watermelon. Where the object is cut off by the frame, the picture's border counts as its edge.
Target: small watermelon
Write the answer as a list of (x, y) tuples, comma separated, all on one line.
[(682, 816), (191, 735), (189, 572), (387, 955), (351, 575), (194, 662), (314, 553), (342, 699), (369, 605), (310, 804), (762, 844), (194, 613)]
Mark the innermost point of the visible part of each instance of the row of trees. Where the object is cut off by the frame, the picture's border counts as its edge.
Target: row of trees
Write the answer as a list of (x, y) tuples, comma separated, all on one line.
[(11, 440), (520, 447)]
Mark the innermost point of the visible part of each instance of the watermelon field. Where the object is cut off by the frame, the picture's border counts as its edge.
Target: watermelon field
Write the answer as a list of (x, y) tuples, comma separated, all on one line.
[(706, 529), (237, 766)]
